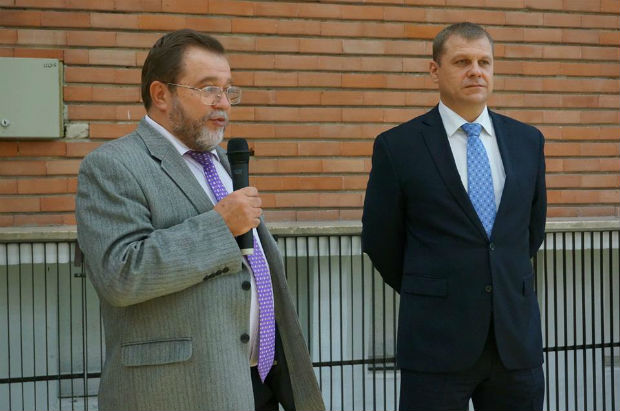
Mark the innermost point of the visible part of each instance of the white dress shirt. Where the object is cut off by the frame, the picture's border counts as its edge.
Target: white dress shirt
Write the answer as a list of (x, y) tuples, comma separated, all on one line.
[(457, 138), (198, 172)]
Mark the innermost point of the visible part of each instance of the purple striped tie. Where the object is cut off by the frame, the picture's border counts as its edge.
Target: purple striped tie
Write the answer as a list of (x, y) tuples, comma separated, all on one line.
[(260, 268)]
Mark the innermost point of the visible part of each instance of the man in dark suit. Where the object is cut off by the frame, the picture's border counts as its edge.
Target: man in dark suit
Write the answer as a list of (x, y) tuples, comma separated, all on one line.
[(455, 208)]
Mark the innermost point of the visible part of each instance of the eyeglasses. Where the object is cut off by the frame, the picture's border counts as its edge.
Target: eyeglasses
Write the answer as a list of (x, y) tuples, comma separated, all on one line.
[(211, 95)]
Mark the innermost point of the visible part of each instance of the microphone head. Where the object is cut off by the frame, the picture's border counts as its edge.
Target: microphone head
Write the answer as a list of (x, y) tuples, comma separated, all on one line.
[(237, 144), (238, 151)]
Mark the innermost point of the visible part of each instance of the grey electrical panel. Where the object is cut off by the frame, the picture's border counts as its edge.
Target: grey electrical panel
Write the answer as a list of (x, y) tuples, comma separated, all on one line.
[(30, 98)]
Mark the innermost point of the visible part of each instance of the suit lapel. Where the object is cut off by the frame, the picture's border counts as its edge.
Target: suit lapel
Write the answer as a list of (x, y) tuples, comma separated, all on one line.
[(437, 142), (506, 148), (173, 164)]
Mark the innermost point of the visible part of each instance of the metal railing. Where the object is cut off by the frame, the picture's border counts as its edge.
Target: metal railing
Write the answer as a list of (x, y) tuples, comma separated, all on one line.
[(51, 335)]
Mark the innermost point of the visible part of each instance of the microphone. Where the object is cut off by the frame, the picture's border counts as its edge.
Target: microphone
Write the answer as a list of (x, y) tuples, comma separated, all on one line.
[(239, 156)]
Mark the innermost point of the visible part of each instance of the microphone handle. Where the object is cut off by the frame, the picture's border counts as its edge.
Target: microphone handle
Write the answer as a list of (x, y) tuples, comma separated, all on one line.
[(241, 179)]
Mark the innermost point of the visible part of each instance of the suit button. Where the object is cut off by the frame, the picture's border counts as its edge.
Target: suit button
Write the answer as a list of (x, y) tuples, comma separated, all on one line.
[(246, 285), (245, 338), (225, 270), (492, 246), (218, 272), (488, 288)]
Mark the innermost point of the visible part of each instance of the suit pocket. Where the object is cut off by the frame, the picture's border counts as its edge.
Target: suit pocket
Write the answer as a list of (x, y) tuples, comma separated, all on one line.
[(435, 287), (528, 285), (156, 352)]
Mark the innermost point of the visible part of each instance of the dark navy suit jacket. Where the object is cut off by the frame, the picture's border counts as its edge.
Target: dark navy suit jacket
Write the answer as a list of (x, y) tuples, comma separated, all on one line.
[(425, 238)]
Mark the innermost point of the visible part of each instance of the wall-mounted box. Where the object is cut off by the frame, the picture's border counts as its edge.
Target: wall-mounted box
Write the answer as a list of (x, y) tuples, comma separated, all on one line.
[(31, 103)]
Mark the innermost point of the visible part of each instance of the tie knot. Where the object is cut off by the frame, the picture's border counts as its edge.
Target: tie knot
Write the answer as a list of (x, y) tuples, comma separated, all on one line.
[(472, 129), (203, 157)]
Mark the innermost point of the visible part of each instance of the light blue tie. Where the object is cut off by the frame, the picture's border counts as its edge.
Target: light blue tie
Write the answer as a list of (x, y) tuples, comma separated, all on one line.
[(479, 180)]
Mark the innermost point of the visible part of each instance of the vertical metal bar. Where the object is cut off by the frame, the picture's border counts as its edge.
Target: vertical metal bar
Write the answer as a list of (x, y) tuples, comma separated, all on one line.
[(394, 337), (58, 330), (564, 266), (574, 265), (364, 363), (611, 318), (384, 333), (374, 343), (341, 331), (329, 321), (71, 337), (593, 323), (8, 319), (602, 293), (352, 329), (47, 383), (318, 258), (34, 326), (583, 321), (555, 317), (21, 328), (84, 333), (546, 286)]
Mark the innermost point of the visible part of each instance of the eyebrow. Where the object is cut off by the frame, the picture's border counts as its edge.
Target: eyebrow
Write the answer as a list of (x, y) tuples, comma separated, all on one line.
[(212, 79)]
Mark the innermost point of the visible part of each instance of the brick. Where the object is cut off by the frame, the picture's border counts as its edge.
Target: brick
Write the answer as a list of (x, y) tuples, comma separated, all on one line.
[(91, 38), (308, 28), (41, 37), (254, 25), (58, 203), (137, 5), (114, 20), (8, 36), (42, 186), (185, 6), (209, 24), (102, 75), (277, 44), (136, 40), (112, 57), (8, 186), (42, 148), (81, 148), (62, 167), (238, 8), (21, 18), (19, 204), (341, 29), (110, 130), (333, 46), (65, 19), (42, 220), (6, 220), (8, 149), (22, 168)]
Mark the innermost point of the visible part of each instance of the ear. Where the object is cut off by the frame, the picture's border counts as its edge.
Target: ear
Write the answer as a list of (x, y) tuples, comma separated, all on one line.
[(433, 67), (160, 96)]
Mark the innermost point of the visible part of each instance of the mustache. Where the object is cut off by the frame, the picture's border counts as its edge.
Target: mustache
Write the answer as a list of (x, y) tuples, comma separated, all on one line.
[(216, 114)]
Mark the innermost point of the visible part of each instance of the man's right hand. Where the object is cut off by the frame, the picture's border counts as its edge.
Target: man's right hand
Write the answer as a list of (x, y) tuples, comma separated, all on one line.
[(241, 210)]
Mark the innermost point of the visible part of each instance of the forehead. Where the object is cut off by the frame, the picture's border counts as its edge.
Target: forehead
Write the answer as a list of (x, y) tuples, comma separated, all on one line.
[(457, 45), (200, 63)]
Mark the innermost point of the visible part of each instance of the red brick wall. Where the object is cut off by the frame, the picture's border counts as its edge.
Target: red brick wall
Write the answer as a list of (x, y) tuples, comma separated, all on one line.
[(321, 80)]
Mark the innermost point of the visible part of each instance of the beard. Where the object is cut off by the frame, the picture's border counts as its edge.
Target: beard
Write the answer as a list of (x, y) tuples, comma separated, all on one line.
[(194, 133)]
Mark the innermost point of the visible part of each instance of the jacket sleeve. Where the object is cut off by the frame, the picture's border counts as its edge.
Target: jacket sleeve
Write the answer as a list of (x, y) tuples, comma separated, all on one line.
[(130, 261), (383, 220), (538, 214)]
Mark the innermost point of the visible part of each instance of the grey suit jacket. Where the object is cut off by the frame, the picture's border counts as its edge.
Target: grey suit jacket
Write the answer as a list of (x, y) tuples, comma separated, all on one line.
[(169, 276)]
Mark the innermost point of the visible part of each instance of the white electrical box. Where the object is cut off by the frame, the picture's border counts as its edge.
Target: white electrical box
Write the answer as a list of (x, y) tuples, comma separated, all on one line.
[(30, 98)]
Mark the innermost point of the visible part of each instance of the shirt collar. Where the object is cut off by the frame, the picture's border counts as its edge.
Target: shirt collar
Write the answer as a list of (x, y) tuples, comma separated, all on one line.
[(452, 122), (178, 144)]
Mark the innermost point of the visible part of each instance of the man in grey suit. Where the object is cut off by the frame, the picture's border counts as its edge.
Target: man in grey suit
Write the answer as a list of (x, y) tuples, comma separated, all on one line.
[(183, 310)]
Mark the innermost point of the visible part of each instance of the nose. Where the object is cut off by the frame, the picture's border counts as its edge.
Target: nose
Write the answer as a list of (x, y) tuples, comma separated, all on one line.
[(222, 102), (475, 69)]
